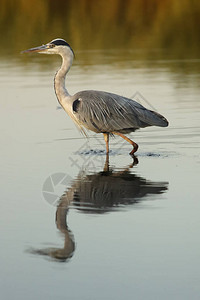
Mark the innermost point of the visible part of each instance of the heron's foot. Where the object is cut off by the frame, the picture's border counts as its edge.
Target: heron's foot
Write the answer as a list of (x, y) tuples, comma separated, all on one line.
[(135, 148), (135, 161)]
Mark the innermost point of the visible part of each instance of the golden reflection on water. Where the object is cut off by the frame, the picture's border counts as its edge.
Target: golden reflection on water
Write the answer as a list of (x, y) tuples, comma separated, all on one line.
[(171, 25)]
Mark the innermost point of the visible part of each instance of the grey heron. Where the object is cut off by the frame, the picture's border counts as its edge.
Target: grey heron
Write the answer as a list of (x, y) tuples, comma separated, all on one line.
[(98, 111)]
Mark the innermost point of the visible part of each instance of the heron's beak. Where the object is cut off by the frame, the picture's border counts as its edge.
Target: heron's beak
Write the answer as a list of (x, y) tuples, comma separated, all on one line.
[(37, 49)]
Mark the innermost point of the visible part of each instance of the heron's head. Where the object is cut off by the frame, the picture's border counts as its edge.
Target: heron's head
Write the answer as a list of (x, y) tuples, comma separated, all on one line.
[(57, 46)]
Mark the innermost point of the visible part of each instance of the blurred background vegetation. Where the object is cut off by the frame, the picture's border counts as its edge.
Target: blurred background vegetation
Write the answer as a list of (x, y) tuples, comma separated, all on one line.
[(172, 26)]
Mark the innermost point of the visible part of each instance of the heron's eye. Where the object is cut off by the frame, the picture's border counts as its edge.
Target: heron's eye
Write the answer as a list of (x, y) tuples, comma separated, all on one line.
[(51, 45)]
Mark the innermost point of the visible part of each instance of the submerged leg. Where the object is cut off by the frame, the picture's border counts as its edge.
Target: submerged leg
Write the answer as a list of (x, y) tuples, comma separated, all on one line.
[(135, 146), (106, 138)]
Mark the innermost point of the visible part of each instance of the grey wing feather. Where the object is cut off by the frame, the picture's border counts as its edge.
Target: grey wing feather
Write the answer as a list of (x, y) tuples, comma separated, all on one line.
[(107, 112)]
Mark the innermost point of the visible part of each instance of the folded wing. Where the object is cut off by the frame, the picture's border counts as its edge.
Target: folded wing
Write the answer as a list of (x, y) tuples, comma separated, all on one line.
[(107, 112)]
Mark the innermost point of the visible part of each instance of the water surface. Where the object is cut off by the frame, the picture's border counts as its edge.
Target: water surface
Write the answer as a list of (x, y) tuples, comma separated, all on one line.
[(131, 229), (73, 224)]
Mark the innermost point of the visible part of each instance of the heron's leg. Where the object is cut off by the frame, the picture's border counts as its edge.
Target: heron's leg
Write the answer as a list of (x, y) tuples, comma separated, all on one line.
[(106, 165), (135, 146), (106, 138)]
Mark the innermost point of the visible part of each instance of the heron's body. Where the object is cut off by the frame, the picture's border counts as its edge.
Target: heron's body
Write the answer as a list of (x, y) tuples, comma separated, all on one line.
[(98, 111)]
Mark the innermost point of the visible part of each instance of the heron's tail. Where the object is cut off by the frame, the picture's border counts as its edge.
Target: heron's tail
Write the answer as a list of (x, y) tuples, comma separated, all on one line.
[(159, 120)]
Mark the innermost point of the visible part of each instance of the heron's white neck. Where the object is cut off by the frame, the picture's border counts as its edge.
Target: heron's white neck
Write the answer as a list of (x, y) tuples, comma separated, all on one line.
[(59, 80)]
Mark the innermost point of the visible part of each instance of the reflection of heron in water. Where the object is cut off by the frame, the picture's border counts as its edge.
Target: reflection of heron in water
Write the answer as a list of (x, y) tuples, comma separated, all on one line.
[(108, 190), (99, 193), (65, 253)]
